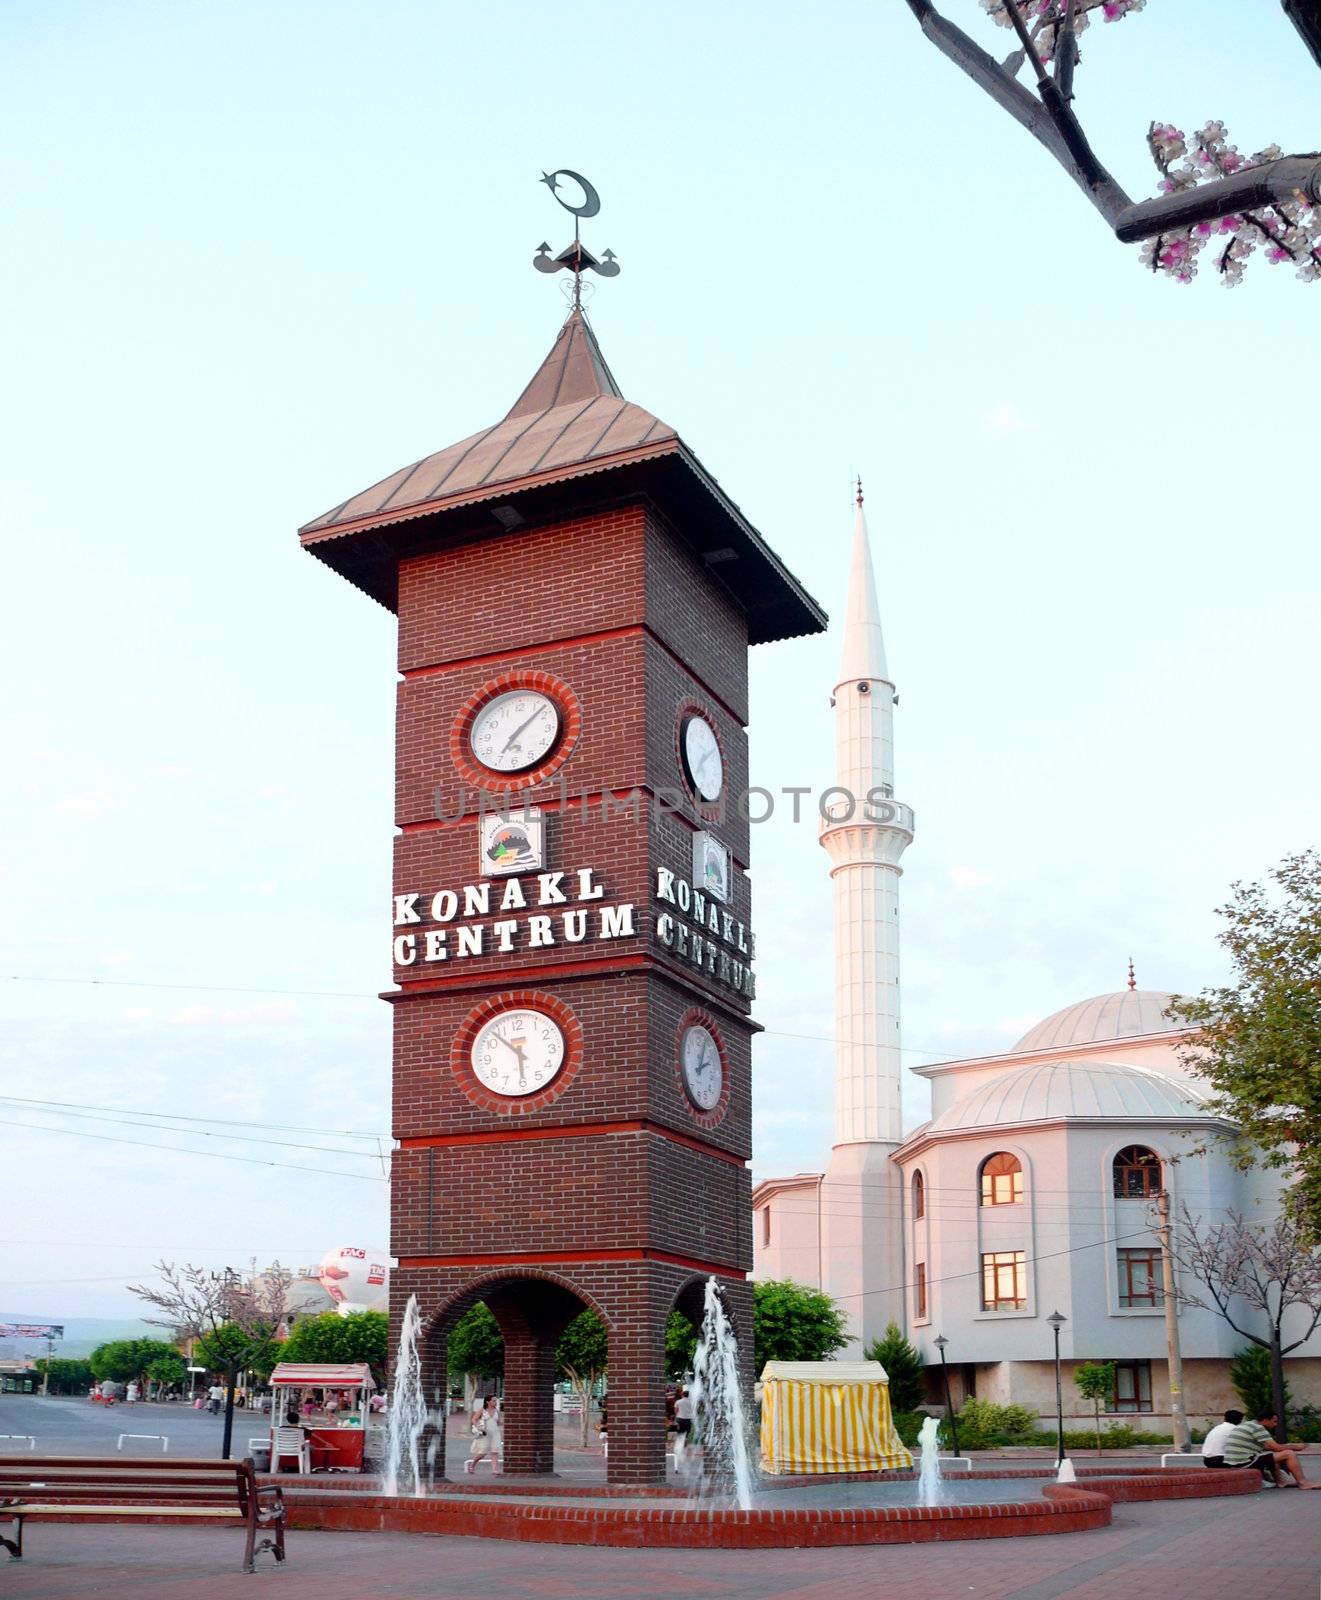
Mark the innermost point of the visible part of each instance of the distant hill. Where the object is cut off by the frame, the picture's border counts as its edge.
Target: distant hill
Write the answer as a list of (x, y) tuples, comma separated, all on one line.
[(81, 1334)]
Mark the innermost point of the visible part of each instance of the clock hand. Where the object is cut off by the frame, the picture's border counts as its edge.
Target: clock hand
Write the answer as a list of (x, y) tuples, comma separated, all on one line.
[(508, 1046), (514, 735)]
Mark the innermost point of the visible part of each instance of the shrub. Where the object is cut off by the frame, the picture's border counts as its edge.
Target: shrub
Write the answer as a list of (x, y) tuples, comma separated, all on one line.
[(908, 1424), (1305, 1425), (986, 1426), (1250, 1373)]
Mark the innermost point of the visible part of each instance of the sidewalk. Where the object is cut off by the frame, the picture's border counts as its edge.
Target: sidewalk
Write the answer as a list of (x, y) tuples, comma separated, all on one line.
[(1267, 1547)]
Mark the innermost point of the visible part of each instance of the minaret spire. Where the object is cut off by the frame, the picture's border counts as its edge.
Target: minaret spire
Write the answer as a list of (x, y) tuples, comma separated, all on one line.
[(865, 832)]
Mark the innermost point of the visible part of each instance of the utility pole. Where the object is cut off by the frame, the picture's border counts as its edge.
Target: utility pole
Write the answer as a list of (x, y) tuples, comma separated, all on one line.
[(1178, 1415)]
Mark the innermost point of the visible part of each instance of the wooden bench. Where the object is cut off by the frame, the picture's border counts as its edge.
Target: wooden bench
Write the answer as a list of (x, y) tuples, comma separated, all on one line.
[(69, 1488)]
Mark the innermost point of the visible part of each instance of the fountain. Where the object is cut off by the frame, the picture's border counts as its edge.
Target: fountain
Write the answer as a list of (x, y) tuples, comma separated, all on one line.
[(407, 1415), (928, 1477), (719, 1423)]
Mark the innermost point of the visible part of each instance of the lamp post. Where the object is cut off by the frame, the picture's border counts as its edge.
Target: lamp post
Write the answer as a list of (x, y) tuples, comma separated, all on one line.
[(940, 1341), (1057, 1321)]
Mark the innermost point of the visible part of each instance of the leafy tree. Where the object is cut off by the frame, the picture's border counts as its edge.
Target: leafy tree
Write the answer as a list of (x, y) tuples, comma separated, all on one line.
[(582, 1356), (66, 1376), (1254, 1274), (360, 1336), (680, 1345), (476, 1348), (903, 1367), (234, 1347), (1095, 1381), (1259, 1046), (1250, 1373), (793, 1323), (168, 1371), (127, 1360)]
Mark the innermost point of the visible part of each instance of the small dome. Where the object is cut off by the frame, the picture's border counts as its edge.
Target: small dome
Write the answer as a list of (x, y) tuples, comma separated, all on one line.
[(1107, 1016), (1101, 1090)]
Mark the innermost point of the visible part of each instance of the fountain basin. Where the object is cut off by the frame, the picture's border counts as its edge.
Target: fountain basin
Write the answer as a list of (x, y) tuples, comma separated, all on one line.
[(999, 1506)]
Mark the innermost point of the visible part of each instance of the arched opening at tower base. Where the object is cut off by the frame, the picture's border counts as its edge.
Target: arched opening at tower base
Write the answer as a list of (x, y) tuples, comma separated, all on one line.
[(532, 1307)]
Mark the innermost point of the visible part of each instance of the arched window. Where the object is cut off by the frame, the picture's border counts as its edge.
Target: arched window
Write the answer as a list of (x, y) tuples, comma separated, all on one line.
[(919, 1196), (1002, 1179), (1137, 1173)]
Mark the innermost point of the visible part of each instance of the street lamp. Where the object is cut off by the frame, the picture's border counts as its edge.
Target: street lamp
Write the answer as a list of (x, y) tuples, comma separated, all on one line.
[(1056, 1322), (940, 1341)]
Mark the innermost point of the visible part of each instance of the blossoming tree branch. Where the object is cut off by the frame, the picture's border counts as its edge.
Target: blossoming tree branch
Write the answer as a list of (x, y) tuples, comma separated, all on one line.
[(1213, 203)]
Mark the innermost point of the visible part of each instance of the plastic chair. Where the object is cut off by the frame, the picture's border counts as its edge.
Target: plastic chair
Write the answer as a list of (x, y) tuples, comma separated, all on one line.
[(290, 1442)]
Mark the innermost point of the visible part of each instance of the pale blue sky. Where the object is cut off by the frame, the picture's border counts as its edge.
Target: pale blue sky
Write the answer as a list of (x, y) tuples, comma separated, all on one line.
[(261, 255)]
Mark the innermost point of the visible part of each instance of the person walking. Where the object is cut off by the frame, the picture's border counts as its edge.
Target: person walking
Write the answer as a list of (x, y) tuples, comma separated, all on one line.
[(1213, 1446), (683, 1423), (215, 1398), (133, 1394), (1251, 1445), (487, 1439)]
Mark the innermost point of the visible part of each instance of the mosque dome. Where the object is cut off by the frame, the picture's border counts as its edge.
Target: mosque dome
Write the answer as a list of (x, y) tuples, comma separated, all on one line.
[(1106, 1016), (1100, 1090)]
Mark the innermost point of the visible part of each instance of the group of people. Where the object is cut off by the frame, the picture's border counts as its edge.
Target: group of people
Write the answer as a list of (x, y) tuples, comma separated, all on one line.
[(1236, 1442)]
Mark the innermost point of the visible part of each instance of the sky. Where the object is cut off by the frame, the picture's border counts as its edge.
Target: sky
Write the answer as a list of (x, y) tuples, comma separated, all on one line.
[(260, 255)]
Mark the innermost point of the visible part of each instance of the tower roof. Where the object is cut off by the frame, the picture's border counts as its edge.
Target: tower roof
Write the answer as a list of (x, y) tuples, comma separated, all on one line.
[(864, 647), (570, 422)]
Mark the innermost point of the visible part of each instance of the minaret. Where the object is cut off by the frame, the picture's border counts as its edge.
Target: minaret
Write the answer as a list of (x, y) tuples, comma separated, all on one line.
[(865, 833)]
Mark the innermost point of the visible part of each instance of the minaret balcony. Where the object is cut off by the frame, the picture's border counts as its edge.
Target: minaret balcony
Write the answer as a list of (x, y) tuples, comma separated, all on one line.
[(866, 830)]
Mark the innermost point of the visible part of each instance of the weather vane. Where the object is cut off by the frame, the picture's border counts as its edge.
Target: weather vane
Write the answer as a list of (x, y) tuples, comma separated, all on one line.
[(575, 258)]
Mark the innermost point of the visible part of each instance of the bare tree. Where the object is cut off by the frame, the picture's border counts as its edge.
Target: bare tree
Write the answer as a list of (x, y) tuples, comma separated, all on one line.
[(1216, 196), (1253, 1274), (236, 1317)]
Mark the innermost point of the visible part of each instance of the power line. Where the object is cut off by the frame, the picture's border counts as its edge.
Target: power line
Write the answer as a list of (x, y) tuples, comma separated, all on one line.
[(176, 1150), (178, 1116), (49, 1109)]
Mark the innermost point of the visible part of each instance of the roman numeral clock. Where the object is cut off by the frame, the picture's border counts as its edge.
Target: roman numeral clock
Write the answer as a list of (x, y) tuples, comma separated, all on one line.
[(572, 944)]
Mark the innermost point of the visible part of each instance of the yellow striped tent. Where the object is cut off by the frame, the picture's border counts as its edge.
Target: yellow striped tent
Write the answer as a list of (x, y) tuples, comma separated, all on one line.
[(828, 1416)]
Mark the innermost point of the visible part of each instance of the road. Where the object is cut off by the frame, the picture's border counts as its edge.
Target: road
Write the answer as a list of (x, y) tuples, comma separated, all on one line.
[(76, 1427)]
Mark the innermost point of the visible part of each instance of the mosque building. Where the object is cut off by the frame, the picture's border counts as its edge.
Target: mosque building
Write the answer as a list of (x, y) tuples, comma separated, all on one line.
[(1033, 1187)]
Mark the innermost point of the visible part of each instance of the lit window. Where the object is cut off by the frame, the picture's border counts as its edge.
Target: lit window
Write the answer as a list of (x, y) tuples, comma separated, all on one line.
[(919, 1196), (1140, 1278), (1132, 1386), (1002, 1180), (921, 1288), (1137, 1173), (1004, 1281)]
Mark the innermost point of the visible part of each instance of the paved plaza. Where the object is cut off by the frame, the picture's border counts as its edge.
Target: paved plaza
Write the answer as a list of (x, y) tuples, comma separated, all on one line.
[(1267, 1547)]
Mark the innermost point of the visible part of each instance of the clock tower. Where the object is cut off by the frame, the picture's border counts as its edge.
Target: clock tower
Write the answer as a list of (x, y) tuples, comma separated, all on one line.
[(572, 942)]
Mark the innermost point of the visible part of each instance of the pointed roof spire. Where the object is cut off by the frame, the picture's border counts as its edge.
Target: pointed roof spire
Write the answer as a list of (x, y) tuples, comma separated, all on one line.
[(864, 646), (574, 371)]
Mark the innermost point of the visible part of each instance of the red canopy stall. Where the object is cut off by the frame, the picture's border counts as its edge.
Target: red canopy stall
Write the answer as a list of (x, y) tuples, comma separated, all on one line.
[(329, 1401)]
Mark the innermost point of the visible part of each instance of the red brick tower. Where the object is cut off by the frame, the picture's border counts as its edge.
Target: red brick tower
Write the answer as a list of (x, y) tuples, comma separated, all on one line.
[(572, 1075)]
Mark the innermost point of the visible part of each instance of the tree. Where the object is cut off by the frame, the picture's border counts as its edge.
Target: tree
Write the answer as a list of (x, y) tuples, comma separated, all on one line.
[(1250, 1373), (793, 1323), (1215, 196), (1095, 1381), (1267, 1271), (168, 1371), (582, 1356), (903, 1367), (680, 1345), (127, 1360), (360, 1336), (66, 1376), (476, 1349), (1259, 1045), (198, 1303)]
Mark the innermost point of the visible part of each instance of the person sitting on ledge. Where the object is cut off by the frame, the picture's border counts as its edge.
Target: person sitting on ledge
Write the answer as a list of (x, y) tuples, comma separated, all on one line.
[(1213, 1446), (1251, 1445)]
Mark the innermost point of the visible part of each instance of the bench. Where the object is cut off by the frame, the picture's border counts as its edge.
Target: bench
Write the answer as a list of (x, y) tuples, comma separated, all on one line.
[(69, 1488)]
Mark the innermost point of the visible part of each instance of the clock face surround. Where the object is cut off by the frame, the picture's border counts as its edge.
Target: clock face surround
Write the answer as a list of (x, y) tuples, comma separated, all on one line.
[(518, 1052), (703, 763), (514, 730), (701, 1066)]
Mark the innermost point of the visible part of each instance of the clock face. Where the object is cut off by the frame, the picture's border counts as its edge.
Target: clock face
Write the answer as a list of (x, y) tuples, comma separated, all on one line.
[(515, 730), (703, 1070), (702, 758), (517, 1053)]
